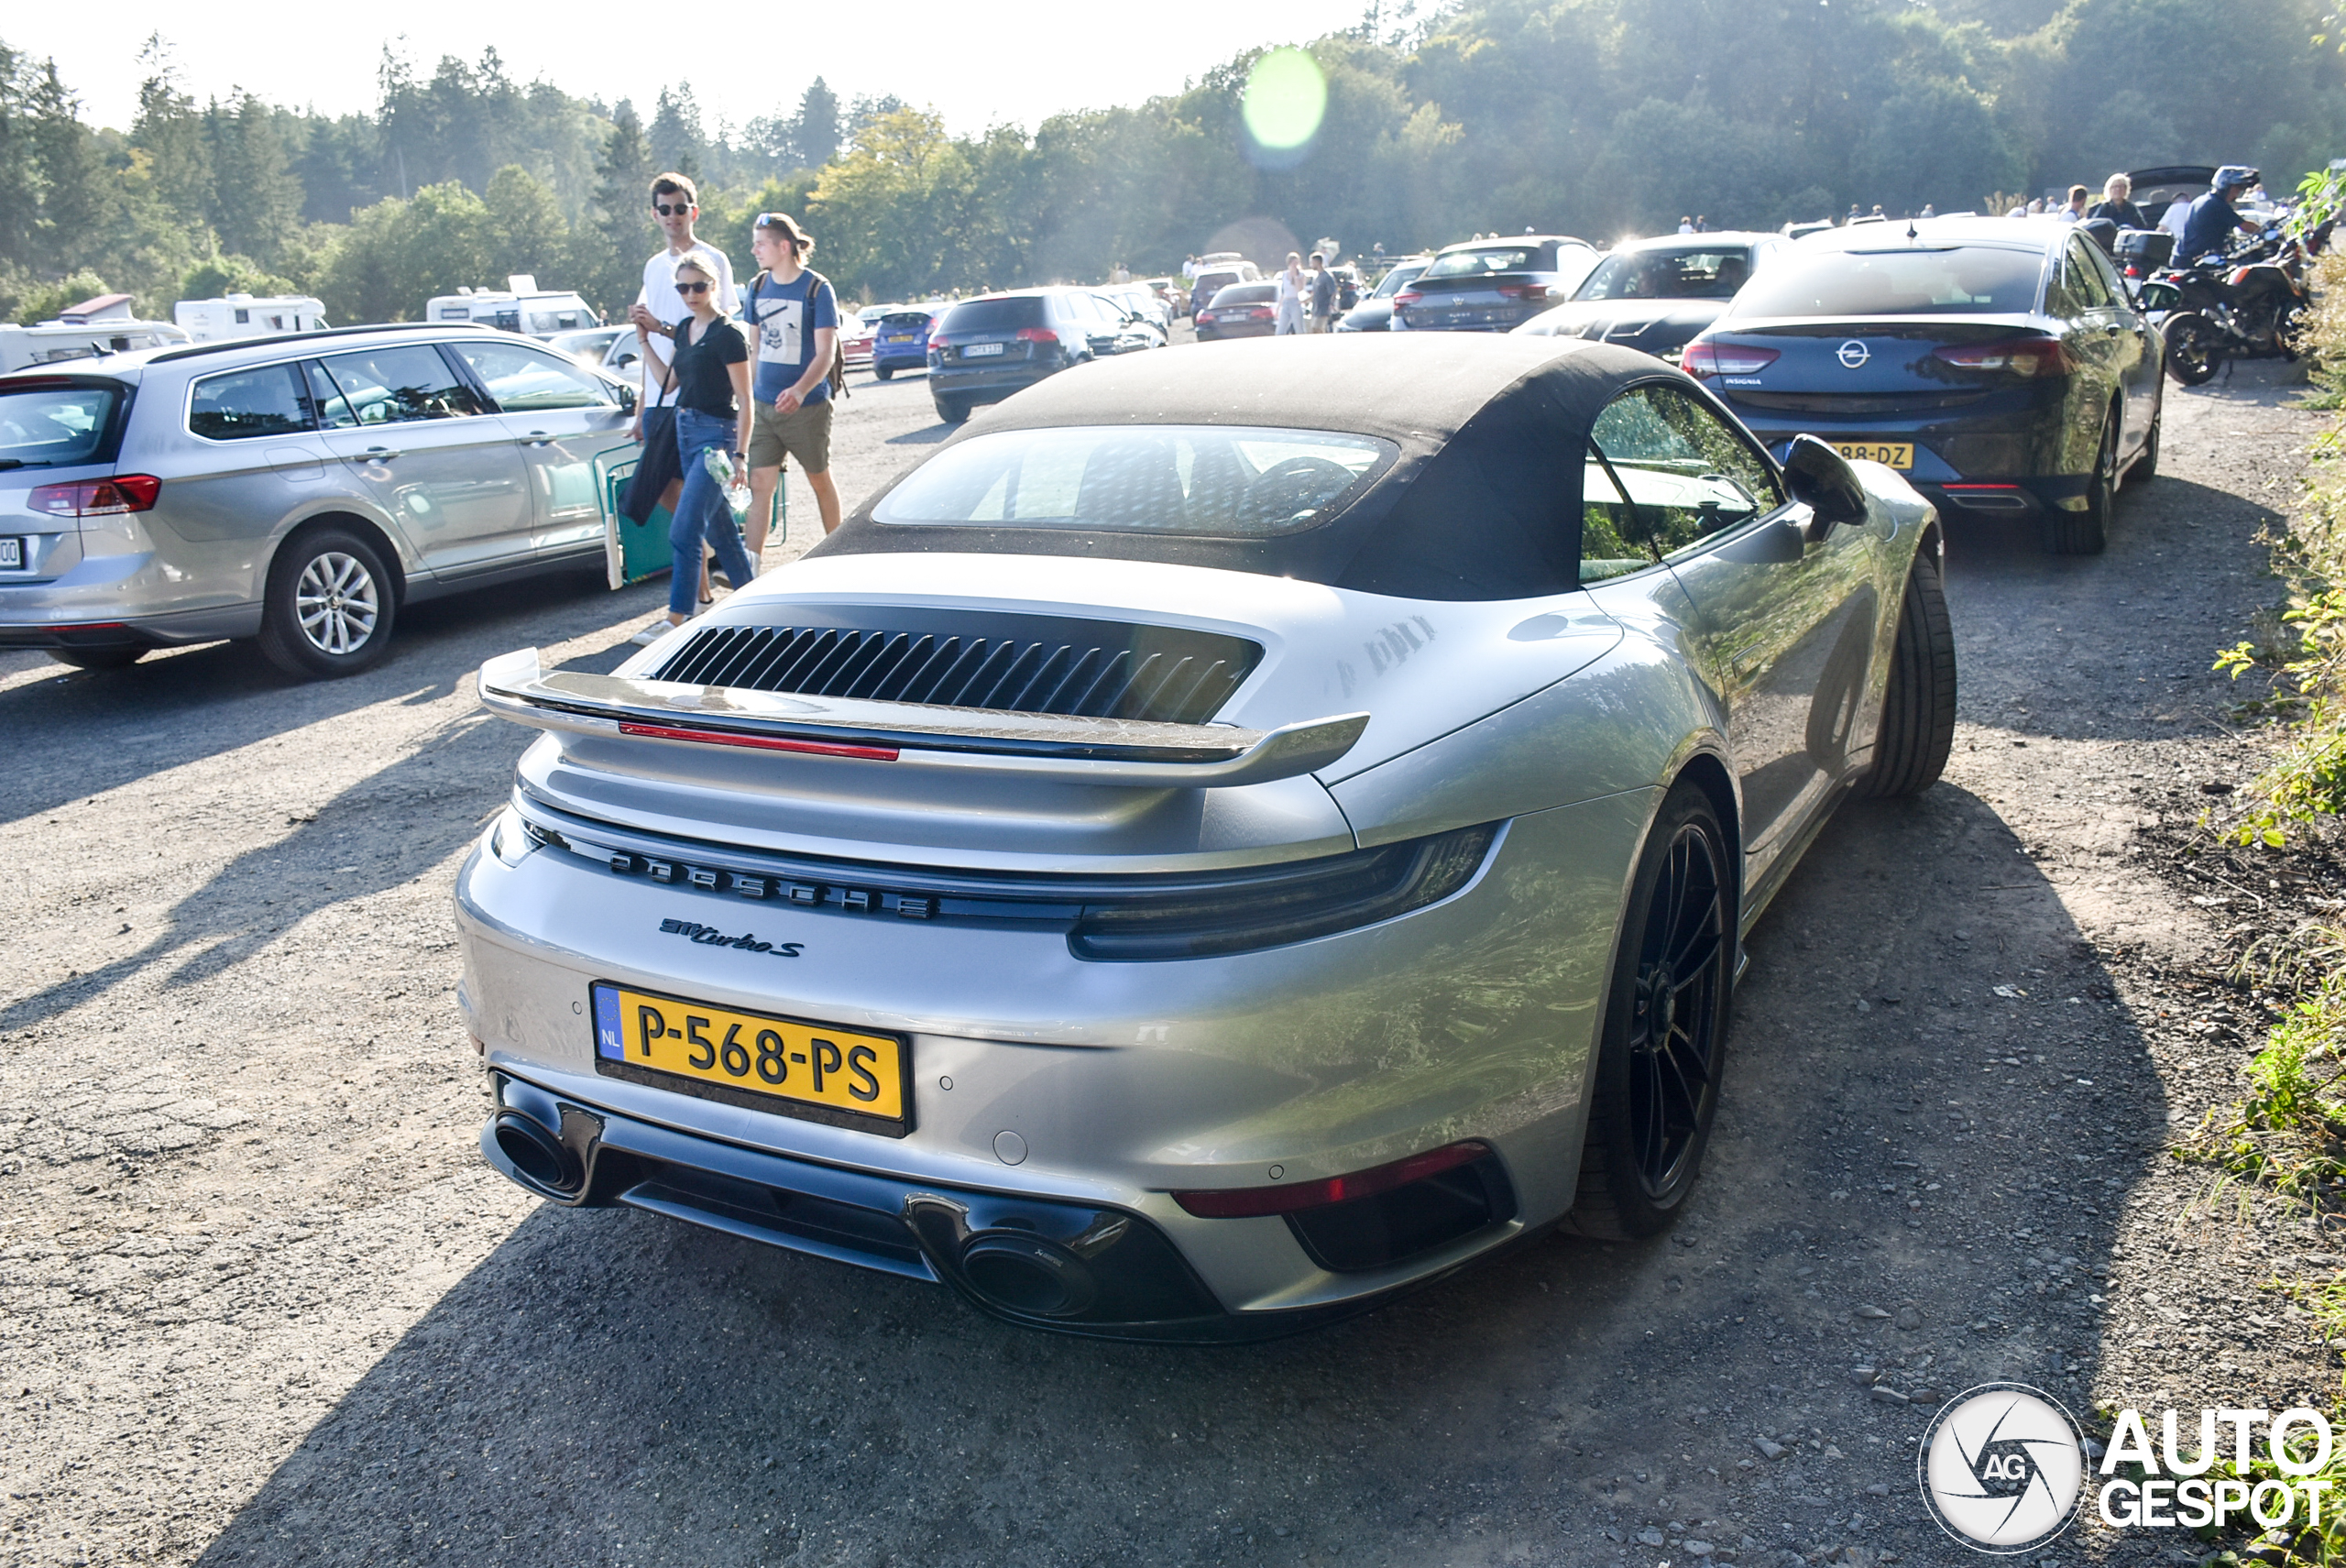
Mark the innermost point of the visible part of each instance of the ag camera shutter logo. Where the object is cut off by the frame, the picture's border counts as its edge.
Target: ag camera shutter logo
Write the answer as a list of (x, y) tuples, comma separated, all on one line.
[(2003, 1468)]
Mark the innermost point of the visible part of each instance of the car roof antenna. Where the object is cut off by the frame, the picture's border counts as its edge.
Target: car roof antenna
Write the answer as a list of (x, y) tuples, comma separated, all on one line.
[(1911, 231)]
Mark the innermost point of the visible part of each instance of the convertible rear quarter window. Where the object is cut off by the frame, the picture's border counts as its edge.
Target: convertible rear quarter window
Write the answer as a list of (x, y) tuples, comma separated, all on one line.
[(1212, 481), (1688, 475)]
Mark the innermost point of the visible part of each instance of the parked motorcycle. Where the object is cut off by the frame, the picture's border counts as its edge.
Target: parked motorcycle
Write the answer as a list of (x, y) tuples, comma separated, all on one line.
[(2247, 305)]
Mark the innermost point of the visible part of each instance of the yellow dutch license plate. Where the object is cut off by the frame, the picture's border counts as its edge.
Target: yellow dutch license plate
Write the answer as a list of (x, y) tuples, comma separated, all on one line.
[(768, 1063), (1891, 454)]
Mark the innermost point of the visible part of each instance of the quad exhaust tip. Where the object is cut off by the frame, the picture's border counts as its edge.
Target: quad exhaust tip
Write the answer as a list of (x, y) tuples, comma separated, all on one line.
[(536, 1153), (1027, 1274)]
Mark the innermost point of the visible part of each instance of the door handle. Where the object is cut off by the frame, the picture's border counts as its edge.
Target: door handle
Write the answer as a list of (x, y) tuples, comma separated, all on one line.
[(382, 453), (535, 438)]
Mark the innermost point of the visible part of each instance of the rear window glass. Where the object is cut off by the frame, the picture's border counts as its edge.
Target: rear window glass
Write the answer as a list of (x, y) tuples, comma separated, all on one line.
[(1962, 280), (53, 426), (1472, 263), (1390, 284), (1669, 275), (245, 403), (1211, 480), (1247, 294), (996, 315)]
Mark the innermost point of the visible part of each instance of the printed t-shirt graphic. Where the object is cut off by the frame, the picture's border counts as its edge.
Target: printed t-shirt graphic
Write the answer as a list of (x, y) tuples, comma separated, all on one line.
[(788, 315)]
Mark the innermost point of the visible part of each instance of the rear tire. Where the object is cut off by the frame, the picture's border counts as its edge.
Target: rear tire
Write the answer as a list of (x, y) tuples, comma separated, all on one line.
[(952, 411), (120, 658), (2194, 349), (2086, 532), (887, 375), (1918, 710), (330, 605), (1664, 1040)]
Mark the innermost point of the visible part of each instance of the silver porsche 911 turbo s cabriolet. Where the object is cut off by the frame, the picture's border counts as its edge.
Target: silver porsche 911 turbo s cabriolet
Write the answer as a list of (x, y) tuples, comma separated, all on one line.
[(1226, 838)]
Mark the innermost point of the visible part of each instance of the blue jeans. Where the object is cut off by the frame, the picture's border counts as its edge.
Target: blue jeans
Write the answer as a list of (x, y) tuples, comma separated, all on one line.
[(701, 511)]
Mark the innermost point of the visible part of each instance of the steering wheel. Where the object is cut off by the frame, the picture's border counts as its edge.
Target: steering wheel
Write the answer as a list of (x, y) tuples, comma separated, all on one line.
[(1299, 484)]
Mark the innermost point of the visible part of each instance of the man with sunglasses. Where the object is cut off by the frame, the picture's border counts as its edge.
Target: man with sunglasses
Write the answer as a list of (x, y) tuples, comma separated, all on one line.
[(658, 307)]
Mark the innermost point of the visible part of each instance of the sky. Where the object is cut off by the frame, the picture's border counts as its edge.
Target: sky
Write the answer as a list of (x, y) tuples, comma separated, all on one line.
[(976, 64)]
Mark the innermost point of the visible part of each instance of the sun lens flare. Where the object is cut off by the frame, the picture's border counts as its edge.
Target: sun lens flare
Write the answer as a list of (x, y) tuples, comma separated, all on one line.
[(1287, 97)]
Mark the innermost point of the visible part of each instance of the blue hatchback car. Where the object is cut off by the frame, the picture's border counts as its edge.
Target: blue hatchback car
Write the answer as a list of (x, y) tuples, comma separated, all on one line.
[(900, 339), (1999, 367)]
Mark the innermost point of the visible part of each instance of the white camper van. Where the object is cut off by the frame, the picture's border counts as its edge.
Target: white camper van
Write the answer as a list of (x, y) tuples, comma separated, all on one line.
[(521, 306), (94, 327), (246, 315)]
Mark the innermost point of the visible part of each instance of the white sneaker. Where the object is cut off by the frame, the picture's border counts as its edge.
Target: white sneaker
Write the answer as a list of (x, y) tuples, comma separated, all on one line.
[(651, 633)]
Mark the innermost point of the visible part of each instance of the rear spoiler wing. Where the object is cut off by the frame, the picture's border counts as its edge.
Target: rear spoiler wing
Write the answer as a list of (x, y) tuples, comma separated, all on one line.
[(1044, 747)]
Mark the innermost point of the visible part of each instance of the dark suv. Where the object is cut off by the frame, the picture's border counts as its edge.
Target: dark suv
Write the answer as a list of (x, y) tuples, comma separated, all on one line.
[(983, 350)]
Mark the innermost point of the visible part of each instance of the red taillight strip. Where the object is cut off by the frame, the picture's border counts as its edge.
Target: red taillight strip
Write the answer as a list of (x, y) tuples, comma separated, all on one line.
[(1252, 1202), (759, 742)]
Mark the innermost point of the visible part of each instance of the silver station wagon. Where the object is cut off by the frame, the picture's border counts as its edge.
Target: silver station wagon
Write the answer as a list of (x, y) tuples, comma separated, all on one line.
[(297, 489)]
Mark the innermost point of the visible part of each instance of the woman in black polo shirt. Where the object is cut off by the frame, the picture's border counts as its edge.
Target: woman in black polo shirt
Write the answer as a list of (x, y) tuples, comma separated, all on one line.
[(712, 372)]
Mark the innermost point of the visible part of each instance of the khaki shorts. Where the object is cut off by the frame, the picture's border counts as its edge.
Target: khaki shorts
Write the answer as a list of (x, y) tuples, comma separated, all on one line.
[(805, 435)]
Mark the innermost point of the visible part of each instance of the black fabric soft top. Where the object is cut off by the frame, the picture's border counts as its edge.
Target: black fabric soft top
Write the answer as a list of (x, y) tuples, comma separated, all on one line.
[(1484, 502)]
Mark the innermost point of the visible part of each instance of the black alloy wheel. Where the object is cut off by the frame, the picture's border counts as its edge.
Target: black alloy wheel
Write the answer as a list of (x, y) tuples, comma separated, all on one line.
[(2195, 349), (1663, 1048), (2086, 532)]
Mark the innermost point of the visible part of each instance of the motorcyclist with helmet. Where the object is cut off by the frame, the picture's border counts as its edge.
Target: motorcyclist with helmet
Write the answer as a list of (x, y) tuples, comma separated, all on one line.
[(2213, 218)]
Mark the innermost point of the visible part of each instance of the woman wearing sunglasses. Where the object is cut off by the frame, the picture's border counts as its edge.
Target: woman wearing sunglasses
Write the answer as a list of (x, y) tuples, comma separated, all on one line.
[(712, 379)]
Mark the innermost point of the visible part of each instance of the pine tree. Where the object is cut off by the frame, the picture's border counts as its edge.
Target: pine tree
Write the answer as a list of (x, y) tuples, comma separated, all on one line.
[(169, 131), (611, 249), (257, 202), (676, 138), (75, 192), (816, 136)]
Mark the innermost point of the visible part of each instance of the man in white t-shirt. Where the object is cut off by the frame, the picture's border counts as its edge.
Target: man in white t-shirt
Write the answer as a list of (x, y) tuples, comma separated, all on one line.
[(675, 202)]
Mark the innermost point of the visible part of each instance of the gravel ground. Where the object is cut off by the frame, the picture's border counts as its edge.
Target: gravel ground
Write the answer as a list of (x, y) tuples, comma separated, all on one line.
[(265, 1305)]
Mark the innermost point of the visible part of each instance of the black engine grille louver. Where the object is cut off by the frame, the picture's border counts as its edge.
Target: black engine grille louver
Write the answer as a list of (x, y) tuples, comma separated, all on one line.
[(1010, 664)]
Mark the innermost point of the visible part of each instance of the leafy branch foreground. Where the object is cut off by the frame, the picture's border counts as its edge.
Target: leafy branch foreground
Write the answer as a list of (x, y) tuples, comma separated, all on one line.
[(2287, 1135)]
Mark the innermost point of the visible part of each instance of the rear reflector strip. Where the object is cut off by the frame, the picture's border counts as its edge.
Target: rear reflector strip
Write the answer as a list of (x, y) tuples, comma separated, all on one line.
[(760, 742), (1252, 1203)]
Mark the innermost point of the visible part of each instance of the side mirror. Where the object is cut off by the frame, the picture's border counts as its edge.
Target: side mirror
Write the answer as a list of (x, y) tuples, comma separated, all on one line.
[(627, 398), (1823, 481)]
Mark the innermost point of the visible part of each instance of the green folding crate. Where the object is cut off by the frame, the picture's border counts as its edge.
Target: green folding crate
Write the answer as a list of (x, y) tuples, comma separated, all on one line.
[(634, 551)]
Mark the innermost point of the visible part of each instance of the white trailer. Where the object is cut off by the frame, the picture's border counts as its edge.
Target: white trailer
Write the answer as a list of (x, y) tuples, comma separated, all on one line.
[(521, 306), (249, 315)]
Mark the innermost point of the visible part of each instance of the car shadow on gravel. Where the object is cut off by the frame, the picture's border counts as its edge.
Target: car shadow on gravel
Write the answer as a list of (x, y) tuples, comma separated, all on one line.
[(179, 707), (390, 826), (1934, 1112)]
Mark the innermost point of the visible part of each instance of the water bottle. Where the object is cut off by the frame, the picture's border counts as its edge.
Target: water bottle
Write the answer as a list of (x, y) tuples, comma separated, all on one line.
[(719, 463)]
